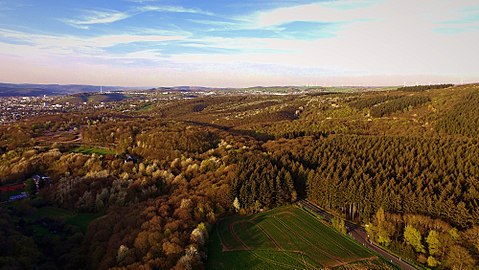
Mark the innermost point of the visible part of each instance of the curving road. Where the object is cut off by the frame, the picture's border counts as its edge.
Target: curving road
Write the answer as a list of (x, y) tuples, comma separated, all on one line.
[(360, 235)]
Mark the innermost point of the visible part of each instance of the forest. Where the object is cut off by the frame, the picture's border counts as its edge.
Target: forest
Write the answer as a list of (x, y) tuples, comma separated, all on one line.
[(143, 189), (398, 104), (418, 88)]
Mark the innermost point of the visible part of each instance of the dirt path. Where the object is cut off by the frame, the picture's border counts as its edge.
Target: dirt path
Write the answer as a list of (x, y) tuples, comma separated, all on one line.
[(333, 259), (353, 261), (236, 237), (224, 247), (275, 243)]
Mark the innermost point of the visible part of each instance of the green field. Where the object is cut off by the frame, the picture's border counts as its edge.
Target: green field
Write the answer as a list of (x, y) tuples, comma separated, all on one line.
[(93, 150), (79, 220), (285, 238)]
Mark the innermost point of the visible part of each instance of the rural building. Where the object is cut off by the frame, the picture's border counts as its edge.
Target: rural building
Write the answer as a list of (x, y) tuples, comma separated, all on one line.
[(41, 181), (17, 197), (12, 188)]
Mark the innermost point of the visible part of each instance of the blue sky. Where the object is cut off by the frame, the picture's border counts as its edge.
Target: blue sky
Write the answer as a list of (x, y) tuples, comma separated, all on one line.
[(239, 43)]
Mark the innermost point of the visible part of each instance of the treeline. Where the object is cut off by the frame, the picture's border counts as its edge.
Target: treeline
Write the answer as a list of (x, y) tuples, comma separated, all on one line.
[(182, 108), (12, 137), (26, 132), (198, 108), (167, 231), (232, 111), (172, 142), (17, 251), (431, 242), (29, 240), (419, 88), (155, 140), (357, 175), (420, 184), (157, 214), (462, 119), (364, 103), (17, 165), (398, 105), (261, 182)]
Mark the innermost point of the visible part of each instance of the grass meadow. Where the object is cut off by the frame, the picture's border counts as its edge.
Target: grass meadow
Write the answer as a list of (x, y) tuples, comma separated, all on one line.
[(285, 238)]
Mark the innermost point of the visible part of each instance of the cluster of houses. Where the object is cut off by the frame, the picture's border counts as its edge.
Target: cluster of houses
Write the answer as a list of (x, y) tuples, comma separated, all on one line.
[(39, 180), (14, 188)]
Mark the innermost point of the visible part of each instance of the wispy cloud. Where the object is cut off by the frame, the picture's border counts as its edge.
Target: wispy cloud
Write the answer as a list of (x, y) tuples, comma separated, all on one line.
[(350, 4), (97, 17), (172, 9), (317, 12), (218, 23), (92, 17), (9, 7), (110, 40), (147, 31), (462, 20), (66, 44), (303, 22), (141, 1)]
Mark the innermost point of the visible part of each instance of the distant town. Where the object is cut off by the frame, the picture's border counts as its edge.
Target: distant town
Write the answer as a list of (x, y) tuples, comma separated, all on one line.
[(16, 107)]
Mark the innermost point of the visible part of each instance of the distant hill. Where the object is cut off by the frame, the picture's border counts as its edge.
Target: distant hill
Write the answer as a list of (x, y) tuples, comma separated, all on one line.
[(6, 91), (187, 88), (94, 97), (35, 90)]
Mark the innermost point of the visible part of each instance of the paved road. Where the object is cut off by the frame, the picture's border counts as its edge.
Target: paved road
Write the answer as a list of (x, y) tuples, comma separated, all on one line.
[(360, 235)]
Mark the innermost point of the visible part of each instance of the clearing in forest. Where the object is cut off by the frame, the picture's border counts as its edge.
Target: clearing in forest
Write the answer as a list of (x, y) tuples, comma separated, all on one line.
[(285, 238)]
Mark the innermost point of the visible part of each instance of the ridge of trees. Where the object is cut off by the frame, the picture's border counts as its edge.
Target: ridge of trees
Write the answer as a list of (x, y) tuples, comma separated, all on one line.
[(364, 103), (419, 88), (463, 119), (398, 105)]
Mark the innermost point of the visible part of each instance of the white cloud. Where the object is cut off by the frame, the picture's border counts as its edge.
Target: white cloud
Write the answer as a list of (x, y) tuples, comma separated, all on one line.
[(350, 4), (91, 17), (317, 12), (424, 11), (142, 1), (97, 17), (384, 41), (173, 9), (146, 31), (53, 45), (225, 24), (389, 37), (110, 40)]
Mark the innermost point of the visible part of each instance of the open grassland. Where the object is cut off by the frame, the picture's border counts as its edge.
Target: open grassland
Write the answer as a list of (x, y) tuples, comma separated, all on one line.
[(78, 220), (285, 238), (93, 150)]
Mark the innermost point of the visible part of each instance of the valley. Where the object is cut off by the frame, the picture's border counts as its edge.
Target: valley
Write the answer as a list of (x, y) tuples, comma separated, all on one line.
[(212, 179)]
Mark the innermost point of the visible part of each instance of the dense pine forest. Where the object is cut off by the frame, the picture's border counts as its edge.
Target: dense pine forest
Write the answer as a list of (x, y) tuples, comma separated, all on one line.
[(143, 188)]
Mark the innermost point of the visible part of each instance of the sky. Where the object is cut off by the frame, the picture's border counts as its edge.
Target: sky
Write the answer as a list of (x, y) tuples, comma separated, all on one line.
[(225, 43)]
